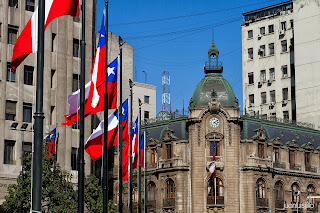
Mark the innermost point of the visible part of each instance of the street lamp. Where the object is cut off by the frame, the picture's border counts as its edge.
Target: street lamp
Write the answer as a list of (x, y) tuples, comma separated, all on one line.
[(22, 131)]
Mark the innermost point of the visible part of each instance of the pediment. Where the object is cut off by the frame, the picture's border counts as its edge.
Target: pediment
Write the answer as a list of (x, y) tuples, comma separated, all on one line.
[(214, 135), (293, 144), (260, 134), (309, 146), (168, 135), (277, 142), (152, 142)]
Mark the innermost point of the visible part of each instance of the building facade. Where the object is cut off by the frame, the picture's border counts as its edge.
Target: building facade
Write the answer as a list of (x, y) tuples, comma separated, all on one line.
[(61, 78), (261, 165), (268, 62)]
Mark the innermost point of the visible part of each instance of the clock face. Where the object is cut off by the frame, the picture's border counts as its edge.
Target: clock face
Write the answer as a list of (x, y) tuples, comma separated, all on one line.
[(214, 122)]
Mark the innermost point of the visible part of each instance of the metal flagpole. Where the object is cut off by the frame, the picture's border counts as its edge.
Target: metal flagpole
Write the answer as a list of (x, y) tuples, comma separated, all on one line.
[(145, 173), (38, 116), (139, 143), (106, 107), (82, 106), (131, 136), (215, 179), (121, 130)]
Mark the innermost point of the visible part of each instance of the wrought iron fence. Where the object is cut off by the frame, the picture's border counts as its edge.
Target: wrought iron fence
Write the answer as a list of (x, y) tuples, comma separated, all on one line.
[(262, 202), (169, 202), (211, 200), (213, 64), (173, 115)]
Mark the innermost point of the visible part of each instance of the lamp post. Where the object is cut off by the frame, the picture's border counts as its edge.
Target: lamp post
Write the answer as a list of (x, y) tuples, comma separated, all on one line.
[(22, 131), (145, 77)]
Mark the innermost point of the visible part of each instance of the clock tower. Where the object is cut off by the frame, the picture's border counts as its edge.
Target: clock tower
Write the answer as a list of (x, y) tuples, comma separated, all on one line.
[(214, 127)]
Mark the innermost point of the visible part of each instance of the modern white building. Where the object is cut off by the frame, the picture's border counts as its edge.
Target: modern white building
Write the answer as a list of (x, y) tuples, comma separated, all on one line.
[(268, 70)]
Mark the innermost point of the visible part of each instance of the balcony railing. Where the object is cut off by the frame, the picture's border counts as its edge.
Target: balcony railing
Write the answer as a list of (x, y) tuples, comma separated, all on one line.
[(151, 204), (262, 202), (311, 169), (169, 203), (213, 64), (295, 167), (279, 204), (219, 200), (279, 165)]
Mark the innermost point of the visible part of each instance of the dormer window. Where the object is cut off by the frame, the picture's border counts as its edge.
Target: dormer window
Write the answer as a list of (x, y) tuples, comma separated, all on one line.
[(292, 158), (307, 161), (260, 150), (168, 151)]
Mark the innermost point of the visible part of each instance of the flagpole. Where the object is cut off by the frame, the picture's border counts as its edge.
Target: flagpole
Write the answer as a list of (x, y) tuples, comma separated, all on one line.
[(82, 106), (215, 179), (106, 123), (38, 116), (145, 173), (131, 136), (139, 144), (121, 130)]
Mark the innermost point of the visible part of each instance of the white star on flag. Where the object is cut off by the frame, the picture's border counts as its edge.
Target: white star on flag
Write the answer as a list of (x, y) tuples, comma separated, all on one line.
[(111, 70)]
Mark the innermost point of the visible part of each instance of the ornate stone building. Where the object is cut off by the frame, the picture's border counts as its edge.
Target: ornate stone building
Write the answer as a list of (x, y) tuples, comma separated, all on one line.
[(262, 166)]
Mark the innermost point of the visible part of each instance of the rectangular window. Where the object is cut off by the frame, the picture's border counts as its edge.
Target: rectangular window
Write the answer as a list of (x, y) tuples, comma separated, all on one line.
[(28, 75), (262, 30), (12, 34), (146, 114), (53, 42), (53, 79), (276, 155), (11, 77), (291, 23), (0, 30), (52, 116), (76, 48), (273, 116), (30, 5), (251, 100), (261, 150), (272, 74), (273, 96), (27, 148), (153, 156), (271, 48), (271, 28), (27, 112), (169, 151), (250, 76), (262, 50), (263, 98), (283, 25), (263, 76), (284, 46), (250, 53), (75, 82), (9, 155), (284, 71), (286, 115), (291, 157), (214, 147), (11, 110), (146, 99), (13, 3), (285, 94), (307, 161), (74, 158), (250, 33)]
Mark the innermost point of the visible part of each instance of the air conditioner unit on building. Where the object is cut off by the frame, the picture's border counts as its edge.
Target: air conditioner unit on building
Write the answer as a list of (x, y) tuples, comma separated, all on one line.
[(251, 105), (285, 75), (284, 101), (269, 81), (272, 103), (259, 36), (281, 32), (282, 12), (259, 83)]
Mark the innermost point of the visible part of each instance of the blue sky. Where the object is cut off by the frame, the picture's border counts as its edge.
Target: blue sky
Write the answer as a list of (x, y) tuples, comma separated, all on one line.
[(178, 39)]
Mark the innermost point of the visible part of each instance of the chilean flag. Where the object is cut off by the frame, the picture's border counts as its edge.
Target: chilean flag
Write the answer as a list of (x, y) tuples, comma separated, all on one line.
[(28, 40), (51, 142), (125, 162), (135, 144), (74, 99), (142, 148), (212, 166), (94, 144)]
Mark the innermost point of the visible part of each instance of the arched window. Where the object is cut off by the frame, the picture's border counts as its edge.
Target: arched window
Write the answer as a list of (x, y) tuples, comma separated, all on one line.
[(215, 195), (171, 190), (295, 191), (151, 191), (260, 189), (311, 191), (278, 189)]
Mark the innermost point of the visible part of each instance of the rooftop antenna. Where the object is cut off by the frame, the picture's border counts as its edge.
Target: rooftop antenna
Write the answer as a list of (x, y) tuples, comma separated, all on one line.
[(166, 104), (212, 35)]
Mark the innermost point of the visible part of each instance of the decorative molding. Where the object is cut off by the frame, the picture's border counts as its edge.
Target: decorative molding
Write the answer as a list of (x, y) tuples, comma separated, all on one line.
[(293, 144), (277, 142), (214, 106)]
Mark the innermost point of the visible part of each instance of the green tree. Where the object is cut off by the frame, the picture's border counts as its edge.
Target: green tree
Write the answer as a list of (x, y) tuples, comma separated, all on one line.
[(58, 194)]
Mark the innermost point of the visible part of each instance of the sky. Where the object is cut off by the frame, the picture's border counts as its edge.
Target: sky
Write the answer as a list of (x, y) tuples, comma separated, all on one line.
[(175, 35)]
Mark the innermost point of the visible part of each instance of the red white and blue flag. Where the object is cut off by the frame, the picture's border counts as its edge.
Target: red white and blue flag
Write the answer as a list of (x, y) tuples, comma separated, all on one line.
[(212, 165), (142, 148), (94, 144), (135, 144), (51, 142), (28, 40)]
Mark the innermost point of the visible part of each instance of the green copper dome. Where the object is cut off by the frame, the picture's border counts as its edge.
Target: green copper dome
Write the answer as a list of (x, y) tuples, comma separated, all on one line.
[(213, 86)]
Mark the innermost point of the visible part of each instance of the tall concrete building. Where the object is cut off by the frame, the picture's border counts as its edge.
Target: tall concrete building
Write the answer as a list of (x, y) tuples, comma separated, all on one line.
[(268, 62), (61, 78), (280, 62)]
